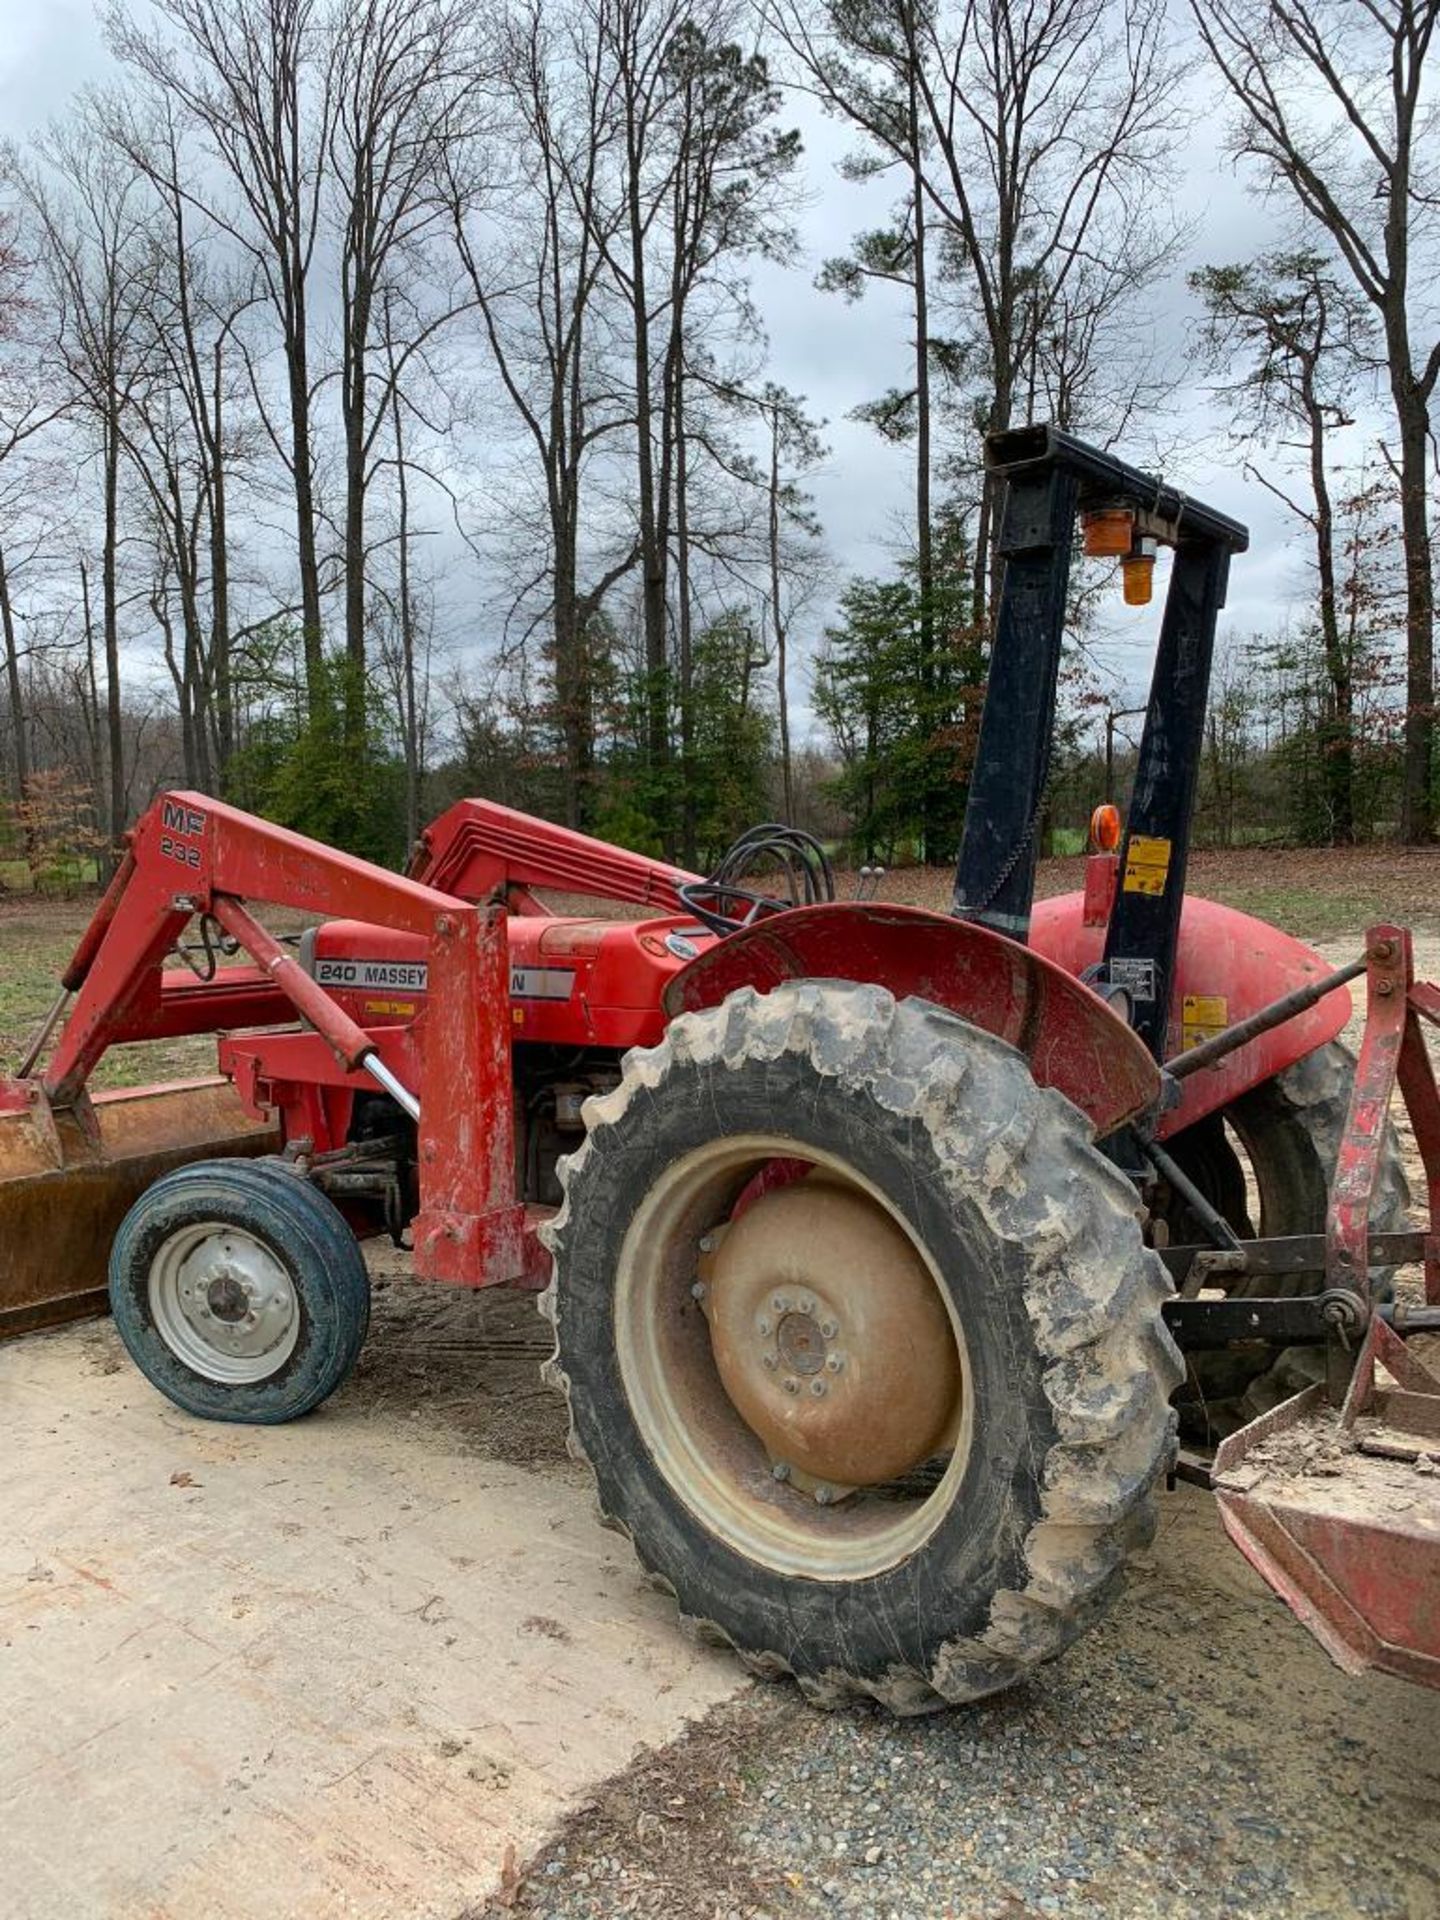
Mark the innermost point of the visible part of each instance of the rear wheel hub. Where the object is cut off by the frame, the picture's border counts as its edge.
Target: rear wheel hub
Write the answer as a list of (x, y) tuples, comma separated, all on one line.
[(830, 1337)]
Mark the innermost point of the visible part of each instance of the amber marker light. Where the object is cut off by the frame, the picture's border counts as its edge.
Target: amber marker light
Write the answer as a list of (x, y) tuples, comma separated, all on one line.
[(1105, 829), (1109, 532), (1137, 569)]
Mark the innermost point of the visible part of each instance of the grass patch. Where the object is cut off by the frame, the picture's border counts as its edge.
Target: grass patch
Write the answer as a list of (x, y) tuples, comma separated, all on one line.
[(31, 959), (1306, 912), (36, 942)]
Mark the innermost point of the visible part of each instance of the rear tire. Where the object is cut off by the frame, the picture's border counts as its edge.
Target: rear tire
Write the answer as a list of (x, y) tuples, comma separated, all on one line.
[(954, 1581), (239, 1291)]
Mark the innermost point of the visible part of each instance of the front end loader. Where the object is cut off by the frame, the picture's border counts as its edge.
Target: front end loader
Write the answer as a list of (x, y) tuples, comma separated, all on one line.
[(885, 1250)]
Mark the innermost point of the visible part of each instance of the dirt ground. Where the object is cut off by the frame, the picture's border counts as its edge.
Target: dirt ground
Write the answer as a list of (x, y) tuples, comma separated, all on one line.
[(1195, 1755)]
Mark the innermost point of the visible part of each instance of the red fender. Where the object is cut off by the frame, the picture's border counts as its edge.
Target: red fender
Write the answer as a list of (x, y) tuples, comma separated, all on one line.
[(1229, 965), (1072, 1040)]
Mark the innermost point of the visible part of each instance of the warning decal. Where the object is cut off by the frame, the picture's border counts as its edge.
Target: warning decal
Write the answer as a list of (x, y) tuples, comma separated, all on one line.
[(1136, 976), (1203, 1015), (1147, 864)]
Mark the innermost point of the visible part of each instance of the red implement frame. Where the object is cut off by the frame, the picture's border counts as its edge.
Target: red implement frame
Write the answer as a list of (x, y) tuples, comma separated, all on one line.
[(1355, 1551), (192, 855)]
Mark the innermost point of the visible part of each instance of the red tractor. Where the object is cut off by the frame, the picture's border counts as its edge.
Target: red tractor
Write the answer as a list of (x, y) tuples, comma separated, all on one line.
[(872, 1238)]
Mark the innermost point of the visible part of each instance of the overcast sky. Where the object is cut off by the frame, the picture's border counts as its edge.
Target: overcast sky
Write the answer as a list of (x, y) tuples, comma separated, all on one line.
[(837, 354)]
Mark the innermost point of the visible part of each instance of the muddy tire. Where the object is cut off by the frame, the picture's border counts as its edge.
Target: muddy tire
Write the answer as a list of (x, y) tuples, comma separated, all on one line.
[(955, 1578), (1290, 1129), (239, 1291)]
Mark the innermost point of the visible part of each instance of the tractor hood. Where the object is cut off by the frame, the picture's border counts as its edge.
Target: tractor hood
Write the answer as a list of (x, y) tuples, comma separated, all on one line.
[(1228, 965)]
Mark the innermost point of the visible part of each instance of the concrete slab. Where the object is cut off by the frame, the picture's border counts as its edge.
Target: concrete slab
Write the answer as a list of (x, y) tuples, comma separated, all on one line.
[(339, 1668)]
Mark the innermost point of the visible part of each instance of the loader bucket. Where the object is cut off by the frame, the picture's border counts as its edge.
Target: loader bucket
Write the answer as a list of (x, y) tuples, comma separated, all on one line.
[(64, 1190), (1341, 1516)]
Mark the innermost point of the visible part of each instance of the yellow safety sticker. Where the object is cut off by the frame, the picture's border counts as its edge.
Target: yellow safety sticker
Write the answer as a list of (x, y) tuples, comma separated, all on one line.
[(1147, 863), (402, 1009), (1202, 1015)]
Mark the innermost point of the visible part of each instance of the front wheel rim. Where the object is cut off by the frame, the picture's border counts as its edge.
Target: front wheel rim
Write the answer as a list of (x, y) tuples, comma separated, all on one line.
[(708, 1455), (224, 1304)]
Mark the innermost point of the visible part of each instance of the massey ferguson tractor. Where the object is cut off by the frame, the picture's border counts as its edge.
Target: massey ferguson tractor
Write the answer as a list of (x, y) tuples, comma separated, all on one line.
[(886, 1251)]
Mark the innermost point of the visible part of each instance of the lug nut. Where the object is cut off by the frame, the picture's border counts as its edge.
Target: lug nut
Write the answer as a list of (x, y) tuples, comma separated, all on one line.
[(792, 1385), (818, 1388), (707, 1243), (768, 1361), (823, 1496), (763, 1323), (806, 1304), (697, 1292), (780, 1303), (834, 1363), (781, 1470), (829, 1328)]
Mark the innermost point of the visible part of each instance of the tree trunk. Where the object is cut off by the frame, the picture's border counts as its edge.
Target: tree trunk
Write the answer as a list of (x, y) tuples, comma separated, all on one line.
[(307, 553), (110, 616), (689, 823), (924, 554), (652, 538), (353, 387), (777, 621), (1417, 815), (15, 692), (92, 695), (1337, 727), (410, 716), (220, 586)]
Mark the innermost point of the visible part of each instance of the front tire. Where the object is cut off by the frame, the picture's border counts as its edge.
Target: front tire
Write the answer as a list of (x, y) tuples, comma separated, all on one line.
[(239, 1291), (978, 1196)]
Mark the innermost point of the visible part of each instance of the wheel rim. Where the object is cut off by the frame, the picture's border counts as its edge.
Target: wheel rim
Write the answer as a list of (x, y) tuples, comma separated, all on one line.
[(224, 1304), (836, 1475)]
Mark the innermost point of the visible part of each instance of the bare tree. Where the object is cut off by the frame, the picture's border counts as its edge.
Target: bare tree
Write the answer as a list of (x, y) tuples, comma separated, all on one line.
[(198, 368), (251, 78), (539, 289), (1036, 137), (31, 400), (1292, 337), (407, 82), (1334, 106), (100, 260), (701, 185)]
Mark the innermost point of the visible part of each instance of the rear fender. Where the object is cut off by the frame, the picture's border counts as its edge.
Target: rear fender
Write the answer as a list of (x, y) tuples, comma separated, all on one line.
[(1228, 966), (1072, 1040)]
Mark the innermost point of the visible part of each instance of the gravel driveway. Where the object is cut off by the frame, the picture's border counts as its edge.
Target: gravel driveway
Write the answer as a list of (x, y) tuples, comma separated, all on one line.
[(1197, 1755)]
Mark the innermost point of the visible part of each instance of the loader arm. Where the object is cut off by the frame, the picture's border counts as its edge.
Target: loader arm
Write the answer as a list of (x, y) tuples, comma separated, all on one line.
[(191, 855), (478, 849)]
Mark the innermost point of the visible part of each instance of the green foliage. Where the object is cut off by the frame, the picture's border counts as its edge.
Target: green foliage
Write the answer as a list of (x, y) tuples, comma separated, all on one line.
[(899, 687), (300, 763), (721, 784), (734, 739)]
